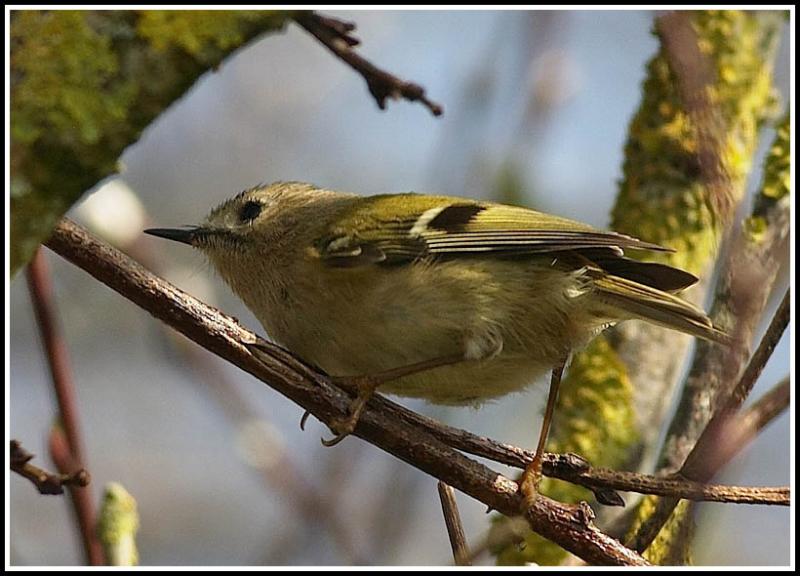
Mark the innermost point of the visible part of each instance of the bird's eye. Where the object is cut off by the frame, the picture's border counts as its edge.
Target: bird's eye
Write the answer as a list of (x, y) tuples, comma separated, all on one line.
[(250, 211)]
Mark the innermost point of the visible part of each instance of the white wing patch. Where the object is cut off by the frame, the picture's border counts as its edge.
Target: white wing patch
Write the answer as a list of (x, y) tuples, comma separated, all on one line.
[(339, 244), (422, 222)]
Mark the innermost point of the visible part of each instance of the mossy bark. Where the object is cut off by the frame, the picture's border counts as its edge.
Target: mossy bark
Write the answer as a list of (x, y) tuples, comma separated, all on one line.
[(84, 84)]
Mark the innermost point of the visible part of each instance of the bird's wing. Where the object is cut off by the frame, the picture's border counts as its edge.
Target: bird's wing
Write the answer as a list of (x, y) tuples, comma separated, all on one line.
[(441, 227), (421, 226)]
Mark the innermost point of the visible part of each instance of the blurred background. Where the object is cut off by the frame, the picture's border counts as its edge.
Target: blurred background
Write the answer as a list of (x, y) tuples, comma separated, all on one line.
[(537, 106)]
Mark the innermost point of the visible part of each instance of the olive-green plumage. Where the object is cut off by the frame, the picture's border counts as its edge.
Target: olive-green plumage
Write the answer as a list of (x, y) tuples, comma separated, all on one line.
[(360, 285)]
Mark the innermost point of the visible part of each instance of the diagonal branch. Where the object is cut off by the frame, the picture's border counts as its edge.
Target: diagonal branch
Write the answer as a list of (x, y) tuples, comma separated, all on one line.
[(765, 410), (569, 526), (337, 37), (710, 452), (727, 432)]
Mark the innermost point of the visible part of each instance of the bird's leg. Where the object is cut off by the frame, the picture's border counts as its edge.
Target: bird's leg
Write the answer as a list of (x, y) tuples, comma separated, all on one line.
[(529, 483), (365, 386)]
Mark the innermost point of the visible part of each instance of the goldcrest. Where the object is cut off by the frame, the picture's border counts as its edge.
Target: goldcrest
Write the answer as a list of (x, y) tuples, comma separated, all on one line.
[(477, 298)]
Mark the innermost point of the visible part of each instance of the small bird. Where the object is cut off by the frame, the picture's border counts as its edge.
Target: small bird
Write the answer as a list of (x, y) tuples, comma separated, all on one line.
[(448, 299)]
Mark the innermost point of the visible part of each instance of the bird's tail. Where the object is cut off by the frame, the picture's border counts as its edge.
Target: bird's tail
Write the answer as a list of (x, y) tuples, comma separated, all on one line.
[(657, 306)]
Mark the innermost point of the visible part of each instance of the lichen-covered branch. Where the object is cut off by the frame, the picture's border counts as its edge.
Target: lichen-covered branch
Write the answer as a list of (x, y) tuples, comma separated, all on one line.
[(745, 283), (85, 83), (617, 394), (665, 195)]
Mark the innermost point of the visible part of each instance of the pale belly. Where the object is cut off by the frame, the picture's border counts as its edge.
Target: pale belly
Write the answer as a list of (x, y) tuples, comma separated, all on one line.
[(471, 382), (508, 337)]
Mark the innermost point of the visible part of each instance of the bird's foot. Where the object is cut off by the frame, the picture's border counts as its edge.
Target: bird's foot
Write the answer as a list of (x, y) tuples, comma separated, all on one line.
[(342, 427), (529, 483)]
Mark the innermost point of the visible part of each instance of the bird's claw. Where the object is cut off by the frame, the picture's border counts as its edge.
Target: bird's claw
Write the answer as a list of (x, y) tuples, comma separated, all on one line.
[(333, 441), (342, 428)]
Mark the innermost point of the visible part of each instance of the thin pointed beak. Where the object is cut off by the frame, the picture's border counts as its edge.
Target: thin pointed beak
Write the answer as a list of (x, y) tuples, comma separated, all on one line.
[(184, 235)]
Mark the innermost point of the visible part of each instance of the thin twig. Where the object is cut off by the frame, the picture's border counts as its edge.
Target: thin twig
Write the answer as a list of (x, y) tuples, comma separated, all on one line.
[(741, 430), (452, 520), (766, 409), (40, 287), (726, 433), (572, 468), (337, 36), (45, 482), (758, 361), (569, 526), (707, 457)]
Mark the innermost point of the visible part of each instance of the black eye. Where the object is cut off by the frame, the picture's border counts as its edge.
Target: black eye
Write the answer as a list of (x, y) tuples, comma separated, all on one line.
[(250, 211)]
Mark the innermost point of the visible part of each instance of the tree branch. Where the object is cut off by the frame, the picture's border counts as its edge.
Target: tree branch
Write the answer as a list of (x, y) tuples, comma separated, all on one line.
[(452, 520), (746, 280), (742, 297), (694, 76), (569, 526), (40, 287), (45, 482), (71, 454), (602, 481), (710, 452), (766, 409), (336, 36)]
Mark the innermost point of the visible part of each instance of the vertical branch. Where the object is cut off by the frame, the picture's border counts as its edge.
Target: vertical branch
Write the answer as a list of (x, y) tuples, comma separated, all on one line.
[(694, 76), (665, 197), (455, 530), (687, 158), (40, 287)]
